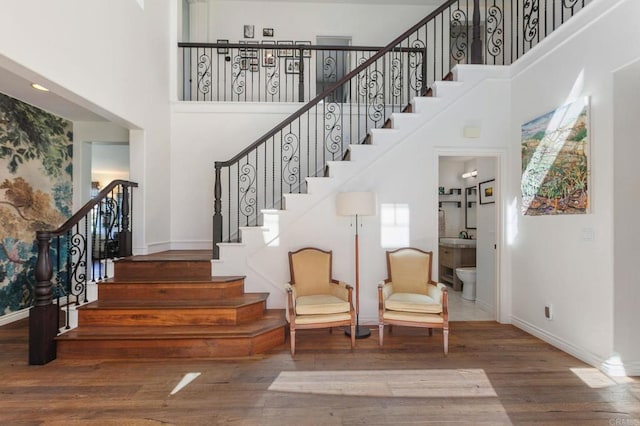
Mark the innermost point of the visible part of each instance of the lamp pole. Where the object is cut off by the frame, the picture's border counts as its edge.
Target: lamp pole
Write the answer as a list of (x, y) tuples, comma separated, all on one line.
[(361, 333)]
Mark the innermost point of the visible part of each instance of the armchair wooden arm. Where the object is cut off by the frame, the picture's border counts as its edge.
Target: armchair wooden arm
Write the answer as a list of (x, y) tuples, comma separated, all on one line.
[(342, 290)]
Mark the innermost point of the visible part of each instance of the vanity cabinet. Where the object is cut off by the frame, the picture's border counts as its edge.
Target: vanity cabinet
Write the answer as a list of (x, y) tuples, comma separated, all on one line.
[(452, 256)]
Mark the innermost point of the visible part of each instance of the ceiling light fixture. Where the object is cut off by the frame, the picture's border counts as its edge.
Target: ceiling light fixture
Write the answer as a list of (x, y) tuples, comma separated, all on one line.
[(39, 87), (470, 174)]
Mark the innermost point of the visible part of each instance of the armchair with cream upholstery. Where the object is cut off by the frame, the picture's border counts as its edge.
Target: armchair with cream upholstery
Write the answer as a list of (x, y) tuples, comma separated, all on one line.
[(314, 299), (408, 297)]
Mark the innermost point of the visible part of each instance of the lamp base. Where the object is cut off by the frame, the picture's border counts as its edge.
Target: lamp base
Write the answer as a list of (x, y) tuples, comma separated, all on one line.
[(361, 332)]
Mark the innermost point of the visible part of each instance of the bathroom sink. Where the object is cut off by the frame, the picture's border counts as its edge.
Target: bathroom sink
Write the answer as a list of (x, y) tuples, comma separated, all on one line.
[(458, 241)]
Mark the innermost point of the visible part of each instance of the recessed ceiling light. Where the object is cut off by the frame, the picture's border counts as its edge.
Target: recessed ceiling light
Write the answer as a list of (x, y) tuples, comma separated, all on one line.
[(39, 87)]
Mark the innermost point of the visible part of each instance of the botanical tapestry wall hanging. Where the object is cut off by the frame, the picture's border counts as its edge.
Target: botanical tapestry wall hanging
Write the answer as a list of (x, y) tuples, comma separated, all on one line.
[(35, 192), (555, 161)]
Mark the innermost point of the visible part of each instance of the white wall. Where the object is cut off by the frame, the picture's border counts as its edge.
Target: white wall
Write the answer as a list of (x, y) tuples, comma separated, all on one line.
[(626, 190), (368, 24), (113, 58), (554, 259), (201, 134)]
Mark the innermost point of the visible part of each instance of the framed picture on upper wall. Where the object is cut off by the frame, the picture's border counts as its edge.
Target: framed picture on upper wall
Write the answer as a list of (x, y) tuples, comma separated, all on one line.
[(306, 52), (487, 191), (223, 50), (286, 52), (248, 31)]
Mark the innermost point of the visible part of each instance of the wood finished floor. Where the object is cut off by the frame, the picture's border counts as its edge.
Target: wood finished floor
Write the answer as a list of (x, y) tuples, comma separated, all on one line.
[(494, 374)]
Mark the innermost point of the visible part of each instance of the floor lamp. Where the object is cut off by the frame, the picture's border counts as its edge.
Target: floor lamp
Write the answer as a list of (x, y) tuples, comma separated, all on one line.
[(357, 204)]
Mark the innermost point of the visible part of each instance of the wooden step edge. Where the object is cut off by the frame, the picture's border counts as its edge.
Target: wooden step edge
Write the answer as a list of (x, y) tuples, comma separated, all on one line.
[(255, 328), (144, 304), (210, 280)]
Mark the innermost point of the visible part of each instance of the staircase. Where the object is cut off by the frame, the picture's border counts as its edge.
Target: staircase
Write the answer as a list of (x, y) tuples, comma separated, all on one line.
[(167, 305)]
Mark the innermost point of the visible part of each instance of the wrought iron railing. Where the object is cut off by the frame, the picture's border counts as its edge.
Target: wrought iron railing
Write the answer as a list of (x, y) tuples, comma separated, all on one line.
[(459, 31), (233, 72), (72, 256)]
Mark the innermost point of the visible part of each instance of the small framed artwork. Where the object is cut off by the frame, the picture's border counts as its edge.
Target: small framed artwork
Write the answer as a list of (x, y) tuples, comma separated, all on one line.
[(248, 31), (286, 52), (306, 52), (254, 67), (223, 50), (267, 32), (292, 66), (268, 58), (244, 64), (487, 191)]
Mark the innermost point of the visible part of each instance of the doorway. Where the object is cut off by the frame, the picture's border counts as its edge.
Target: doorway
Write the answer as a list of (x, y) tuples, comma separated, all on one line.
[(331, 66), (464, 213)]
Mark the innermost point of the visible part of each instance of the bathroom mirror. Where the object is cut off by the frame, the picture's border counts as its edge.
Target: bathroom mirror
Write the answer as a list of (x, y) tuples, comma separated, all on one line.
[(470, 203)]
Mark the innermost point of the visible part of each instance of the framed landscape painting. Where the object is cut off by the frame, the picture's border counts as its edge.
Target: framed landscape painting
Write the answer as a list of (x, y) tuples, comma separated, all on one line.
[(555, 161)]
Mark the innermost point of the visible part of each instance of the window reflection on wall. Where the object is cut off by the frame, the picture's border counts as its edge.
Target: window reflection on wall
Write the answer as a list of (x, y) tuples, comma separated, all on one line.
[(394, 225)]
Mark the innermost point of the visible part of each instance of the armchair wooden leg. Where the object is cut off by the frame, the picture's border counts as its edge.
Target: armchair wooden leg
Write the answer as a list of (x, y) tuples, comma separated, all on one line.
[(353, 336), (380, 333), (445, 332), (293, 341)]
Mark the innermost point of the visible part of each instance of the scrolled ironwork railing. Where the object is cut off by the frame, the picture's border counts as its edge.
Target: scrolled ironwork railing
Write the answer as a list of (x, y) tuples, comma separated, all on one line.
[(72, 256), (459, 31), (234, 72)]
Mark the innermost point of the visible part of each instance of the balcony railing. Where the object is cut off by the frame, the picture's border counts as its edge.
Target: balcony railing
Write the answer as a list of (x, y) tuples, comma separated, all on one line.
[(233, 72)]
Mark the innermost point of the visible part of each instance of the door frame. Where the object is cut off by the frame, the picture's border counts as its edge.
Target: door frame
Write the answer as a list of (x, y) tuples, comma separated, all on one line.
[(502, 289)]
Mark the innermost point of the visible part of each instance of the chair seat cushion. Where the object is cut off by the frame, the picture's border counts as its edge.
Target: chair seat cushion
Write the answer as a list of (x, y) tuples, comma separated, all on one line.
[(320, 305), (412, 302), (414, 317)]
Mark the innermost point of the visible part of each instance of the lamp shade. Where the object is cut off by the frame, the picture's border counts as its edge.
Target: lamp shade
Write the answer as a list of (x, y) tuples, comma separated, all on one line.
[(356, 203)]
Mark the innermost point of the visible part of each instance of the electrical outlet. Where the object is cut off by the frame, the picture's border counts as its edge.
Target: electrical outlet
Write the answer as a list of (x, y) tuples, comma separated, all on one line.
[(548, 312)]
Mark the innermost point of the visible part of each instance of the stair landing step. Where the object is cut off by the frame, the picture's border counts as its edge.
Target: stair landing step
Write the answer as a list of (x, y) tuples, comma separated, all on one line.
[(174, 341), (171, 255), (273, 318), (168, 280)]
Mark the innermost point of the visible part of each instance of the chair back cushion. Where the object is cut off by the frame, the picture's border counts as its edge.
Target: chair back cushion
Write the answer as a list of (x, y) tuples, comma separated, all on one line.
[(409, 269), (310, 271)]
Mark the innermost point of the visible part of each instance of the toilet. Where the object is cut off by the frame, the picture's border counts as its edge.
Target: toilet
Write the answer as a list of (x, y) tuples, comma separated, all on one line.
[(468, 277)]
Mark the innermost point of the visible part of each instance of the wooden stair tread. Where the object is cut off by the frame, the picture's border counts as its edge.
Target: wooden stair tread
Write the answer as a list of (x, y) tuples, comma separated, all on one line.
[(245, 299), (273, 319), (210, 280), (171, 255)]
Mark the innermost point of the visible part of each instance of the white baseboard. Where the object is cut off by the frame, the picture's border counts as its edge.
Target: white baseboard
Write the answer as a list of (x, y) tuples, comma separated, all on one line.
[(14, 316), (611, 367), (485, 306), (158, 247)]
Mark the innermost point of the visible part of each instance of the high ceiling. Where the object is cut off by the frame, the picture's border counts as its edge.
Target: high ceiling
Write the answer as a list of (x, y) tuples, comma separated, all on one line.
[(18, 85)]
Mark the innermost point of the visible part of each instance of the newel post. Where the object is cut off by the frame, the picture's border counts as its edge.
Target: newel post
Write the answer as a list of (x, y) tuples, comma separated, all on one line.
[(43, 316), (217, 211), (124, 236), (476, 43)]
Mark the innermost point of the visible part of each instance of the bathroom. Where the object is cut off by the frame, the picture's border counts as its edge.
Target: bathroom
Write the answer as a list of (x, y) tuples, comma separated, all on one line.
[(467, 196)]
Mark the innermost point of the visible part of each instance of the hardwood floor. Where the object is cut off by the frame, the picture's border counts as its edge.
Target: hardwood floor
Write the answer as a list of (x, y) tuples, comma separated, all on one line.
[(494, 374)]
